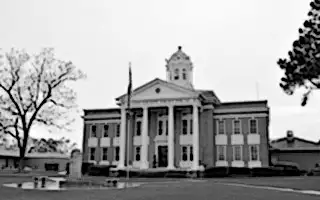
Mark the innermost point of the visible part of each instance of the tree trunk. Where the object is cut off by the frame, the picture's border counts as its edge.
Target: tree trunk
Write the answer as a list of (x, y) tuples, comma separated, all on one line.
[(21, 164), (21, 159)]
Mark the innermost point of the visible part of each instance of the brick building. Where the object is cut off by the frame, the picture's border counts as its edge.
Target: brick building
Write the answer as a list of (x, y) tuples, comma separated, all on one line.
[(175, 125)]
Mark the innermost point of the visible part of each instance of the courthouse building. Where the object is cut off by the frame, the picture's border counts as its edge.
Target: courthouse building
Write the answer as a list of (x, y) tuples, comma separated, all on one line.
[(174, 125)]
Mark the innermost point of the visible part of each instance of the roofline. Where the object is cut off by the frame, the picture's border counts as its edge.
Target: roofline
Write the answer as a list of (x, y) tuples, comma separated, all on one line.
[(295, 138), (245, 102), (158, 79), (101, 109), (155, 79), (301, 150)]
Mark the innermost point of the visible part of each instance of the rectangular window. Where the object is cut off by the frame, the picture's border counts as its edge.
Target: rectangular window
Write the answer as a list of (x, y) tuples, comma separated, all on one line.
[(221, 153), (118, 130), (93, 131), (117, 154), (237, 153), (104, 153), (92, 154), (254, 152), (184, 153), (160, 130), (138, 129), (191, 126), (137, 154), (253, 126), (106, 130), (184, 127), (167, 128), (190, 153), (221, 127), (236, 127)]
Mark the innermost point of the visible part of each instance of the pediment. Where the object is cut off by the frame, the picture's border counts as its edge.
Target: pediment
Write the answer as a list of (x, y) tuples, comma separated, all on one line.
[(159, 89)]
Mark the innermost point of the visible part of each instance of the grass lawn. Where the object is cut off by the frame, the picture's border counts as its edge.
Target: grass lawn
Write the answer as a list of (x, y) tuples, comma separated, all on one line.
[(154, 190), (300, 183)]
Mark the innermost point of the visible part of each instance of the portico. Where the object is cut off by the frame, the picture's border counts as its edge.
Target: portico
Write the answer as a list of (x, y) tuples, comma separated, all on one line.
[(165, 132)]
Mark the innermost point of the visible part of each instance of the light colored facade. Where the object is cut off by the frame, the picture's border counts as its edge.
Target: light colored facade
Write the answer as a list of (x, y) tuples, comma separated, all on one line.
[(175, 125)]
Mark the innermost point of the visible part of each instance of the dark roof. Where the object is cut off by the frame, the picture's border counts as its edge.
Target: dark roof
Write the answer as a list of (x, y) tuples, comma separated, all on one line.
[(179, 53), (210, 96), (294, 138), (97, 110), (245, 102)]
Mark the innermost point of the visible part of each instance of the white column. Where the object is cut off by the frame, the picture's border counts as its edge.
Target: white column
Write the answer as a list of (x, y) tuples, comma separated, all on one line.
[(122, 141), (170, 138), (144, 137), (195, 138)]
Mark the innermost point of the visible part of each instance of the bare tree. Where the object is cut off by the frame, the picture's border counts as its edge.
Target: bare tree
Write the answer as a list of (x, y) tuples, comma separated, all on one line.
[(35, 90)]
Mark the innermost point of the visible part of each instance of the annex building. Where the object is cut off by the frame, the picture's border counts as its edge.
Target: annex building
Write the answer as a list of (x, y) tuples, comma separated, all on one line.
[(175, 125)]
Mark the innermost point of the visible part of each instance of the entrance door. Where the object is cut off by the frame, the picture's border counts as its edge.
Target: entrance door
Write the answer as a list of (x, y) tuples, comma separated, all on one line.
[(162, 156)]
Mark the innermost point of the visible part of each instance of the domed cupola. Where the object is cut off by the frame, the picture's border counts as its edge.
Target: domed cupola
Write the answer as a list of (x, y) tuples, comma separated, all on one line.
[(180, 69)]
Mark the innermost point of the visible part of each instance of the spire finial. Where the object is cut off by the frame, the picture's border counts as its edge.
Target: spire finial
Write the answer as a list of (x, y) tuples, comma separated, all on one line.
[(179, 48)]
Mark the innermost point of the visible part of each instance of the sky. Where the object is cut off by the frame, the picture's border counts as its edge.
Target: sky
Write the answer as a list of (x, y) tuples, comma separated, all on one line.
[(234, 46)]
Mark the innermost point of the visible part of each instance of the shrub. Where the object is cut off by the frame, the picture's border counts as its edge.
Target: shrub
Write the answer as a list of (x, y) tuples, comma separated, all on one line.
[(84, 168), (266, 171), (216, 172), (176, 174), (236, 171), (99, 170), (291, 172), (123, 173)]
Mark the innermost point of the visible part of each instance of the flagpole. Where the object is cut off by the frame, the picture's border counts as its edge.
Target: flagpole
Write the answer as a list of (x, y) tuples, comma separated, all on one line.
[(128, 134), (128, 119)]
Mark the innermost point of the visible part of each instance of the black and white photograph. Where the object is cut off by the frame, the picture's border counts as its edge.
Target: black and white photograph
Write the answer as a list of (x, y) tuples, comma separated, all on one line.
[(159, 99)]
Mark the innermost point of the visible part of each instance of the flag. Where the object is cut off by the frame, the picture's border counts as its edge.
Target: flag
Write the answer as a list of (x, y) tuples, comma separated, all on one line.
[(129, 92)]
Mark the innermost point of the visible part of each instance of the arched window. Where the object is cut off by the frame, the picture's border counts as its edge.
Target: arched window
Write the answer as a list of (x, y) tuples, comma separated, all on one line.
[(176, 74), (184, 74)]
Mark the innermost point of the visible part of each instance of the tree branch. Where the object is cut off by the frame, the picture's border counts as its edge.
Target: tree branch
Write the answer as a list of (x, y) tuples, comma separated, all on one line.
[(37, 109)]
